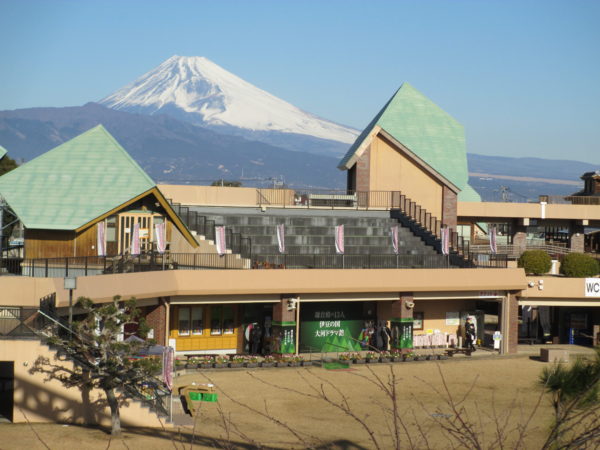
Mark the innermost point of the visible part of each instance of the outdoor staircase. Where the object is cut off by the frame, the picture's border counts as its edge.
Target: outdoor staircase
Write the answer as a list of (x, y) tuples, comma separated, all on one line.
[(43, 323), (252, 234)]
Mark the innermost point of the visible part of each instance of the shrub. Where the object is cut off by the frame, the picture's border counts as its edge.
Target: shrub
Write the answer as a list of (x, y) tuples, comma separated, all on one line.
[(579, 265), (536, 262)]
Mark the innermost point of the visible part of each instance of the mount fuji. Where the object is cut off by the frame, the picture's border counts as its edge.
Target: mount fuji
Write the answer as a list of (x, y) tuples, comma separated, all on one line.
[(199, 91)]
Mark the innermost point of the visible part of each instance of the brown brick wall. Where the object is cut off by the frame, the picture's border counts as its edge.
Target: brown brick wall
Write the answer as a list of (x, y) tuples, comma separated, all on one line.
[(519, 236), (400, 311), (280, 311), (449, 200), (576, 238), (156, 316), (363, 171), (513, 325)]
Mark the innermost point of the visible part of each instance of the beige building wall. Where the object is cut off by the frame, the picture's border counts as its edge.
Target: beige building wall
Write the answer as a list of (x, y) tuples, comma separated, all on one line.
[(434, 313), (392, 171), (226, 196), (38, 400)]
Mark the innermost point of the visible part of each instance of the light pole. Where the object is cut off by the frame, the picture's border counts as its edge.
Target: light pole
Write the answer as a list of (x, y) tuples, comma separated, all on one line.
[(70, 284)]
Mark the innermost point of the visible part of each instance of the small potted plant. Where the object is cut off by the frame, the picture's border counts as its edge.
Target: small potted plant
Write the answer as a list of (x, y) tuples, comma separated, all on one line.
[(371, 357), (180, 363), (251, 361), (206, 362), (385, 356), (294, 360), (396, 355), (236, 361), (408, 356), (304, 362), (268, 361), (358, 358), (192, 363), (345, 357), (220, 361)]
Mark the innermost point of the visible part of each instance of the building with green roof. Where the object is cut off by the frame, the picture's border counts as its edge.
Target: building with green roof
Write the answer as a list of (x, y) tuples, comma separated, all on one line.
[(61, 195), (413, 146)]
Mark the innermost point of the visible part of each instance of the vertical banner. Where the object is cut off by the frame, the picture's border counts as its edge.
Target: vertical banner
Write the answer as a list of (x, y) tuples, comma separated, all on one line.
[(493, 246), (281, 237), (168, 355), (135, 239), (402, 333), (101, 241), (161, 237), (394, 232), (445, 240), (284, 337), (339, 239), (220, 240)]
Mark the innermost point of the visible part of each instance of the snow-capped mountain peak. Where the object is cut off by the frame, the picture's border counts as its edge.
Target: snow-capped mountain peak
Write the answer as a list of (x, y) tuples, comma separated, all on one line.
[(200, 91)]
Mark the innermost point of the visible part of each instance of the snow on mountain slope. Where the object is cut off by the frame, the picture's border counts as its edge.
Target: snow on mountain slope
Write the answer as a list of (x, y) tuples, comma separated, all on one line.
[(207, 94)]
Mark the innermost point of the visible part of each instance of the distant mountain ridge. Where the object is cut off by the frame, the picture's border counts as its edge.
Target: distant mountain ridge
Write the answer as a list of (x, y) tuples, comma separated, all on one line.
[(174, 151), (168, 149), (196, 90)]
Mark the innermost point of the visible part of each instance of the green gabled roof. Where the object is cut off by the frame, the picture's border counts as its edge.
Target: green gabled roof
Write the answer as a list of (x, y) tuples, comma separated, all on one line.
[(2, 152), (426, 130), (74, 183)]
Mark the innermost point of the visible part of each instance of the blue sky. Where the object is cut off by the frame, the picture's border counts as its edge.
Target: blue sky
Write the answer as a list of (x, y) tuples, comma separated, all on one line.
[(523, 77)]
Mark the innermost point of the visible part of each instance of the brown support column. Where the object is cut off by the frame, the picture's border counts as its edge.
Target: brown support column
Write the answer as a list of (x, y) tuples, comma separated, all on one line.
[(363, 171), (510, 323), (576, 237), (156, 317), (284, 325), (401, 316), (449, 204), (519, 236)]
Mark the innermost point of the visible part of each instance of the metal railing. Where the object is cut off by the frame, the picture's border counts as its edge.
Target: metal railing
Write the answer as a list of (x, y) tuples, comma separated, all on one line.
[(96, 265), (100, 265), (514, 251), (570, 199), (206, 227), (22, 322)]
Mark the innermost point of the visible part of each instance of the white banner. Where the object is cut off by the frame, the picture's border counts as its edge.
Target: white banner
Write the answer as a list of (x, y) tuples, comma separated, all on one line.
[(135, 239), (281, 237), (394, 232), (161, 237), (101, 241), (339, 239), (168, 356), (220, 240), (592, 287), (493, 246), (445, 240)]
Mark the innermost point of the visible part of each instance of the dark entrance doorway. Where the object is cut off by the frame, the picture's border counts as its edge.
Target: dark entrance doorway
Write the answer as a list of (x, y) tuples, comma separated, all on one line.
[(7, 383)]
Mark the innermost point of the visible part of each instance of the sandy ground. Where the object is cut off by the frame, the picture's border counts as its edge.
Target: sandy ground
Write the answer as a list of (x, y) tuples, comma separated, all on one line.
[(285, 408)]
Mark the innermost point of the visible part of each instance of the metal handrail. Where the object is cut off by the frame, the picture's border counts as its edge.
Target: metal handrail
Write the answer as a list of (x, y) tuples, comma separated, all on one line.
[(49, 327)]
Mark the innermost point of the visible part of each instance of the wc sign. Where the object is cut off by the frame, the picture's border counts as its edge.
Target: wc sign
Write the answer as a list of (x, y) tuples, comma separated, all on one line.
[(592, 287)]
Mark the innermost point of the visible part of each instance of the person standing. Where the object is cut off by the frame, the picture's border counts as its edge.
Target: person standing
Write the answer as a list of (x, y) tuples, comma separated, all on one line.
[(470, 334)]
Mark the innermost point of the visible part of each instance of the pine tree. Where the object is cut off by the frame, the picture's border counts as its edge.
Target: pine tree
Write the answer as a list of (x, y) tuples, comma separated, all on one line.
[(104, 360)]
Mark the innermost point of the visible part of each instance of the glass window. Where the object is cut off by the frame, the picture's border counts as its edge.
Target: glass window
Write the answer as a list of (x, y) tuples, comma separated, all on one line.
[(197, 324), (184, 321), (216, 314), (227, 320), (111, 229)]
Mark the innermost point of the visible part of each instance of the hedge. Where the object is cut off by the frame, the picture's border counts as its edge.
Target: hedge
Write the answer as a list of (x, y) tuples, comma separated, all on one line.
[(579, 265), (536, 262)]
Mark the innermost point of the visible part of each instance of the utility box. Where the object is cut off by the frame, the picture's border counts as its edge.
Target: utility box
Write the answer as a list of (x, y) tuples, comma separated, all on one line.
[(554, 355)]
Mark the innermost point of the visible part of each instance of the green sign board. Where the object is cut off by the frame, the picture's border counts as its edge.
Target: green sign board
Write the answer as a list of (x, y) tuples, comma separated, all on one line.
[(331, 326), (284, 337), (402, 333)]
